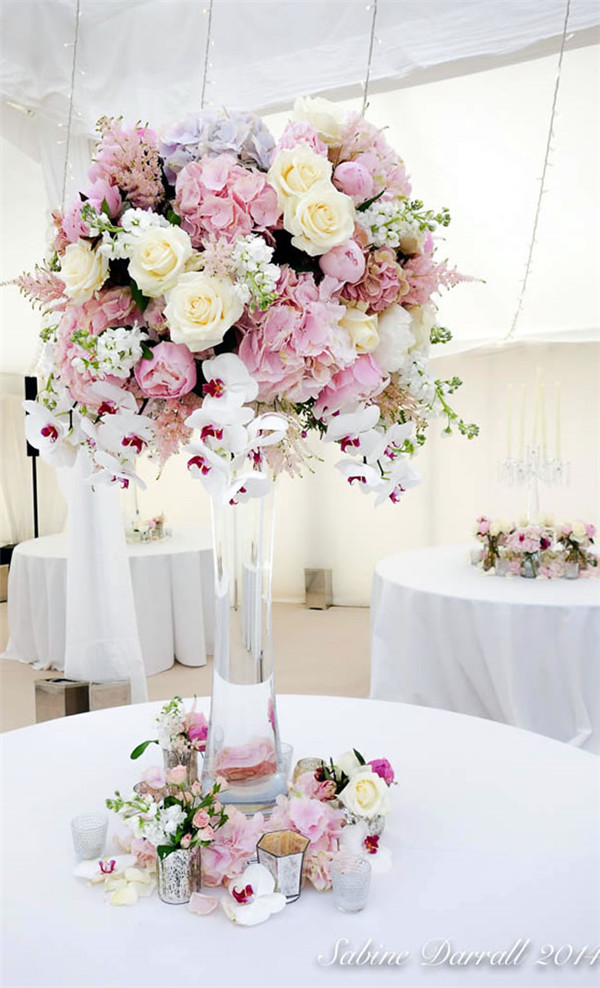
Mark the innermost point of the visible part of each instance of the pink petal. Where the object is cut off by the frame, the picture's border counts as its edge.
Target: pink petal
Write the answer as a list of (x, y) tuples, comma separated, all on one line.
[(202, 905)]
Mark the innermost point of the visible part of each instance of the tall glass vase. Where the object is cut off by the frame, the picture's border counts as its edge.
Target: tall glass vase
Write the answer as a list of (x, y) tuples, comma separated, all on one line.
[(243, 739)]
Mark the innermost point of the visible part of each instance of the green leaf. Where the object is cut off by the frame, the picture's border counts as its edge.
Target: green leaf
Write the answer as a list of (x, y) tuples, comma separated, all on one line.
[(139, 298), (369, 202), (360, 758), (146, 351), (173, 217), (142, 747), (164, 849), (105, 208)]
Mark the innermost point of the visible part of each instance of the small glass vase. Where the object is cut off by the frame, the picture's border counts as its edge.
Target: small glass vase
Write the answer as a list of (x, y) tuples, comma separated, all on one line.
[(529, 567), (243, 744), (572, 569), (179, 875), (189, 758), (501, 566)]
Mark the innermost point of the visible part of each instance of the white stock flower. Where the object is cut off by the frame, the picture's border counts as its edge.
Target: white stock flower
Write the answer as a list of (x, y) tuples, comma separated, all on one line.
[(321, 219), (118, 350), (200, 309), (158, 256), (326, 117), (395, 338), (83, 271), (295, 171), (367, 794), (361, 328)]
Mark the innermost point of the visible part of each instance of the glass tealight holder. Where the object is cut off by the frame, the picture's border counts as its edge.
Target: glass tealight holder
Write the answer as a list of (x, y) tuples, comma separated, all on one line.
[(572, 570), (306, 765), (282, 852), (287, 753), (351, 878), (501, 566), (89, 835)]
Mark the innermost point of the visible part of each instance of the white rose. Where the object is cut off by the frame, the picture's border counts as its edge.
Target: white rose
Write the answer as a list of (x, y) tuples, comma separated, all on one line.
[(578, 531), (326, 117), (200, 309), (348, 763), (321, 219), (395, 338), (495, 528), (423, 321), (83, 271), (157, 258), (361, 328), (366, 794), (295, 170)]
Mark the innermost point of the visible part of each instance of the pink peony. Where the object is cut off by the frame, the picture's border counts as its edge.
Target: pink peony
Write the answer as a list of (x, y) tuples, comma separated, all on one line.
[(354, 180), (344, 263), (360, 381), (382, 283), (233, 845), (99, 192), (219, 196), (382, 768), (169, 373)]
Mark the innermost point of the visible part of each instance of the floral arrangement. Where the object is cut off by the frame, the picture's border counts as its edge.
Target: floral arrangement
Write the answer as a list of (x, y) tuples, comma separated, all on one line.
[(152, 530), (548, 545), (178, 731), (173, 816), (211, 279)]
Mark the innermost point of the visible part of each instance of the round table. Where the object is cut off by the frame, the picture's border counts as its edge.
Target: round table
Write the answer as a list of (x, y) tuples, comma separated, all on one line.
[(173, 588), (524, 652), (493, 832)]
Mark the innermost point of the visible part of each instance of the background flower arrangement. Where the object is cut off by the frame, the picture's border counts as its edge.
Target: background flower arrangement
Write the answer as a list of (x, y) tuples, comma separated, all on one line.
[(208, 278), (548, 549)]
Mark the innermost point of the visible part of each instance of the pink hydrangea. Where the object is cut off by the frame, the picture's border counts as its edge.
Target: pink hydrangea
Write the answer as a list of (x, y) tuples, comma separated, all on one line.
[(233, 846), (360, 381), (308, 785), (220, 196), (300, 132), (296, 346), (382, 283), (318, 821)]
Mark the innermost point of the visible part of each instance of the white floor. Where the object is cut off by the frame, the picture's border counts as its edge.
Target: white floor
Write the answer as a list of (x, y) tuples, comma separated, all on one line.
[(319, 652)]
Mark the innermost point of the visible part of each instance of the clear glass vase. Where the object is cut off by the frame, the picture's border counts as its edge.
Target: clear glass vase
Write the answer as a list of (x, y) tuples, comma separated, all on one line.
[(243, 738)]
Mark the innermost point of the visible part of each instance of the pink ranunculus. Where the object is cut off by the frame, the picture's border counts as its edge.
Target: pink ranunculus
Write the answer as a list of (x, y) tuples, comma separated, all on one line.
[(360, 381), (169, 373), (354, 180), (344, 263), (383, 769), (201, 819), (154, 776), (177, 775)]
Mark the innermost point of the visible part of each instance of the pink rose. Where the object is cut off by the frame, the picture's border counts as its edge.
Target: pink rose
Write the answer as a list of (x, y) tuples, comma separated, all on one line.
[(177, 776), (383, 769), (169, 373), (206, 833), (201, 819), (354, 180), (186, 840), (344, 263)]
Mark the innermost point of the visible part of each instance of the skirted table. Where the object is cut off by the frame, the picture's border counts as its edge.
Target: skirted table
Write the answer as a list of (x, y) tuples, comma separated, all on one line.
[(173, 587), (524, 652), (493, 831)]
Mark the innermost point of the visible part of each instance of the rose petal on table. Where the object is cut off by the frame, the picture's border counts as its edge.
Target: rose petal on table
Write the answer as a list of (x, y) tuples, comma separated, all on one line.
[(137, 875), (126, 896), (114, 882), (202, 905), (144, 891)]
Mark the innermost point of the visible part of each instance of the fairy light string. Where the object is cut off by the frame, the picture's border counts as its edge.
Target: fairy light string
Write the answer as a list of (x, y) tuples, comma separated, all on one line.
[(542, 189), (209, 11), (71, 102), (373, 8)]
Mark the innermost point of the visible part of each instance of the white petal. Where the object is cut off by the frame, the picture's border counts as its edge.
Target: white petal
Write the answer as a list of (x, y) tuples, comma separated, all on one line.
[(114, 882), (275, 901), (247, 915), (260, 878), (137, 875), (126, 896)]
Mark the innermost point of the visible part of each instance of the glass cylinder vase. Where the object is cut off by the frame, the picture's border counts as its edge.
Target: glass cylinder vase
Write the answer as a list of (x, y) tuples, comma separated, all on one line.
[(243, 738)]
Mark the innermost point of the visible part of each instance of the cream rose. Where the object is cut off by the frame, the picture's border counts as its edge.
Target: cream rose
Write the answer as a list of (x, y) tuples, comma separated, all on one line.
[(348, 763), (361, 328), (83, 271), (579, 532), (366, 794), (296, 170), (326, 117), (395, 338), (321, 219), (200, 309), (157, 257)]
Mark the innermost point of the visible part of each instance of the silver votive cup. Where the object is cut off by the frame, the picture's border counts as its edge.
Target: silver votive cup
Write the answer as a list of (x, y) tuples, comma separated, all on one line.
[(282, 852), (89, 835), (306, 765), (351, 877)]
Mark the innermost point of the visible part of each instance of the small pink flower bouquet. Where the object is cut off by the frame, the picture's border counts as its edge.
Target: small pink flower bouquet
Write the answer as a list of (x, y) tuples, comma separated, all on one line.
[(178, 731)]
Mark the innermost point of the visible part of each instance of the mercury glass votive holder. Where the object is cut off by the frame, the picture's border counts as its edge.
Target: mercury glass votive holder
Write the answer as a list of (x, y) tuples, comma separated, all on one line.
[(306, 765), (282, 852), (351, 878), (89, 835)]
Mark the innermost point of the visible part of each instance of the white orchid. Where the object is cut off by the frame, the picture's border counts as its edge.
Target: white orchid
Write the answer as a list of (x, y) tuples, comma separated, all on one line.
[(120, 876), (359, 473), (228, 387), (252, 898), (356, 839), (398, 479), (49, 433)]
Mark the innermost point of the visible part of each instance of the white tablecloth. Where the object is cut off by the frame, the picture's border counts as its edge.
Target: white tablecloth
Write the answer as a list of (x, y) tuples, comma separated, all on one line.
[(524, 652), (173, 587), (493, 832)]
